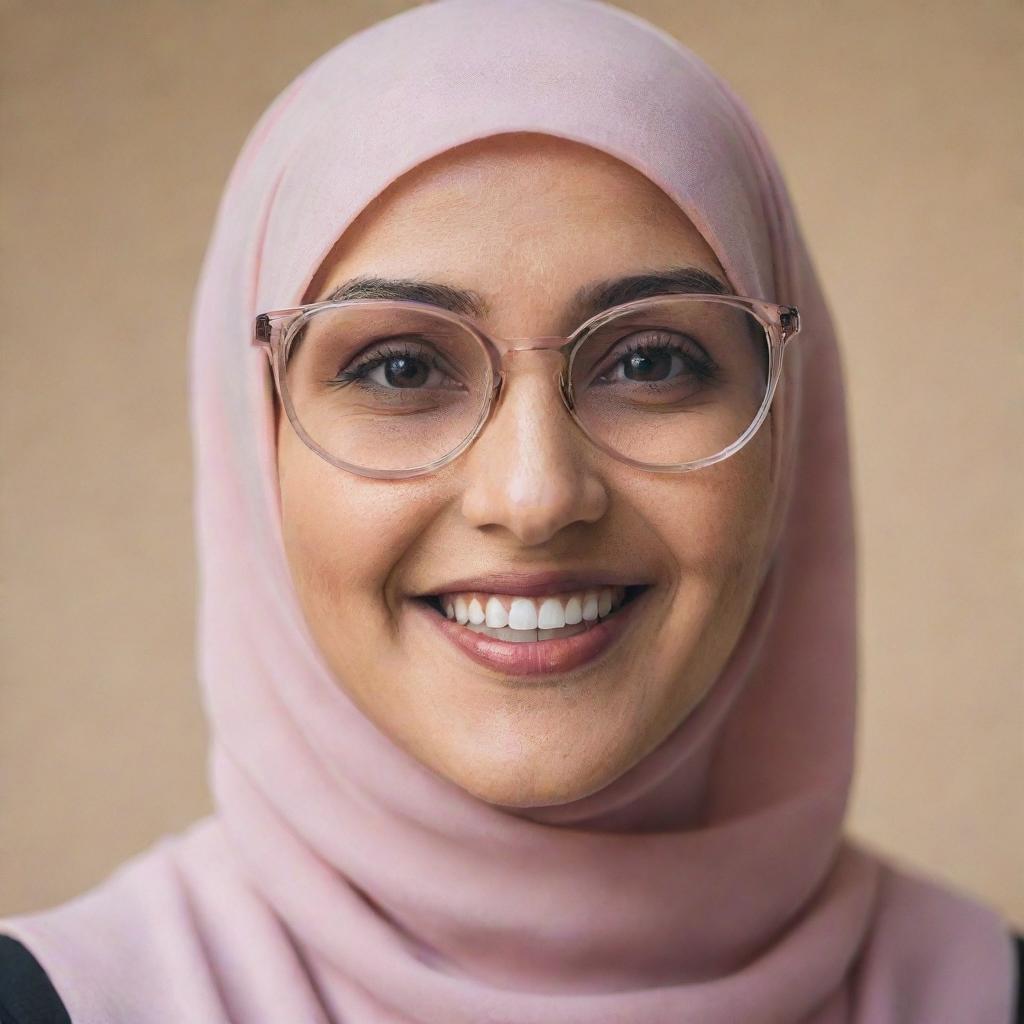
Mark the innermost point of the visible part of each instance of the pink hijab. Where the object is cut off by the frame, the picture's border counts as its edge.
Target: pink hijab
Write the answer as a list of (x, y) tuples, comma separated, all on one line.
[(339, 880)]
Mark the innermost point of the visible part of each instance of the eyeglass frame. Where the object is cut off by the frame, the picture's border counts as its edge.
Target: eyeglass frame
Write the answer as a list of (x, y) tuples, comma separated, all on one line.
[(274, 330)]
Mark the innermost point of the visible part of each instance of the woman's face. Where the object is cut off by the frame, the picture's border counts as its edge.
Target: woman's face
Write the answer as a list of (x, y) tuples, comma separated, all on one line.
[(524, 221)]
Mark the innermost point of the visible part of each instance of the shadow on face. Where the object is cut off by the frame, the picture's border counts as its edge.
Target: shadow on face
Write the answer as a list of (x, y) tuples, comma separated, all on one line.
[(521, 223)]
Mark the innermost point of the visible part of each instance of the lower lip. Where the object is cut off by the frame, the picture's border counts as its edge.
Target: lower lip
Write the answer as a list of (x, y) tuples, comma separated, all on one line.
[(539, 658)]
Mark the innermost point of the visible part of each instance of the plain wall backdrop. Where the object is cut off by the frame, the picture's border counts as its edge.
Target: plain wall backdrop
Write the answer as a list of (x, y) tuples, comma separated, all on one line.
[(898, 127)]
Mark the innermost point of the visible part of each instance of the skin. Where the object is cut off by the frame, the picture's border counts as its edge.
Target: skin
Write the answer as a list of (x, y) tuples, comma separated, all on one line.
[(524, 220)]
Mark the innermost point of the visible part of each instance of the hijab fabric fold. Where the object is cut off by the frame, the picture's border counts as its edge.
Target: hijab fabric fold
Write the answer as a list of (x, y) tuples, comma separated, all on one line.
[(339, 881)]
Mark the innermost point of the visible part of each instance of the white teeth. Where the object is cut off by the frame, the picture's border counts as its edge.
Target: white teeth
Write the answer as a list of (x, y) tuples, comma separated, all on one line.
[(525, 618), (522, 614), (496, 616), (551, 615), (565, 631)]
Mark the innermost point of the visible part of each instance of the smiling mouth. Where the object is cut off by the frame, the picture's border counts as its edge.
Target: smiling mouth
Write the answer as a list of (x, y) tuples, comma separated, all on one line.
[(584, 617)]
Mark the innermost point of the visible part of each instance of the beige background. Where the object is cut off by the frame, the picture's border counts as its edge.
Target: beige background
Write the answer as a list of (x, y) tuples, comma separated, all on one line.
[(898, 127)]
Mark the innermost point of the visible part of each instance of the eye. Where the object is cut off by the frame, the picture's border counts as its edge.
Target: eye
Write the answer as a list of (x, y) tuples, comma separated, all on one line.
[(657, 357), (397, 366)]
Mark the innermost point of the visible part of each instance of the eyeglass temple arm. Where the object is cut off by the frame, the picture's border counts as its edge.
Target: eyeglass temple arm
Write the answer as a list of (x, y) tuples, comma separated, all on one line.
[(789, 320), (263, 330)]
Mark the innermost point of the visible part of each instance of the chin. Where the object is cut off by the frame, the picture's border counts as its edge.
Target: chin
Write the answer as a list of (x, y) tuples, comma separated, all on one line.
[(537, 780), (506, 794)]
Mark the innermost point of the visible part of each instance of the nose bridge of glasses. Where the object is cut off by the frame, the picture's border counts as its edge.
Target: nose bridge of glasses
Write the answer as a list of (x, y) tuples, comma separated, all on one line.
[(516, 348), (544, 343), (542, 362), (535, 352)]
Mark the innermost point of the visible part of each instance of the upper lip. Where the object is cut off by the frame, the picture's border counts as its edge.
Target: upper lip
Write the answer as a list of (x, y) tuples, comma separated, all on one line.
[(534, 584)]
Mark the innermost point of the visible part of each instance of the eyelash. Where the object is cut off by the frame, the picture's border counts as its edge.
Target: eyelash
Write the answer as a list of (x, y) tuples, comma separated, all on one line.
[(379, 355), (701, 365)]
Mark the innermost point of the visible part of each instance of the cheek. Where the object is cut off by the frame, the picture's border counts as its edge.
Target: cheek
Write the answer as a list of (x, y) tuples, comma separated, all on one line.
[(715, 523), (343, 534), (716, 520)]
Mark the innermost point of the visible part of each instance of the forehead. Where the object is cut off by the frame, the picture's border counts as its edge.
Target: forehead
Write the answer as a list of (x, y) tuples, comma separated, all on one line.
[(517, 211)]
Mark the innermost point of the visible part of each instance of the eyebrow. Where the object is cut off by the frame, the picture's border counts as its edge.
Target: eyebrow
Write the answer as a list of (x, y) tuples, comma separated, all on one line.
[(588, 300)]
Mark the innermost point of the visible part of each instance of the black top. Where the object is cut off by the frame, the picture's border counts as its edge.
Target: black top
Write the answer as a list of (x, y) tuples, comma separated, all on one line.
[(27, 997)]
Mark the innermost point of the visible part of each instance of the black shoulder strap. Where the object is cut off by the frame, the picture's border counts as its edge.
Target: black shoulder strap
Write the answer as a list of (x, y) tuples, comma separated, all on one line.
[(26, 993), (1018, 943)]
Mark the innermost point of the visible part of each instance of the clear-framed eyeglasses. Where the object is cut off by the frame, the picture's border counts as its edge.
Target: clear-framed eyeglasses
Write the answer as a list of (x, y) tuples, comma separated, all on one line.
[(395, 389)]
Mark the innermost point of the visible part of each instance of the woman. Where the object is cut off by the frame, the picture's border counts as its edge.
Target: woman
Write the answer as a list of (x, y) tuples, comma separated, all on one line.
[(527, 625)]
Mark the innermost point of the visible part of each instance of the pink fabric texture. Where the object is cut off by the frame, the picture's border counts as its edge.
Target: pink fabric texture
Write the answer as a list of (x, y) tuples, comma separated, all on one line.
[(339, 880)]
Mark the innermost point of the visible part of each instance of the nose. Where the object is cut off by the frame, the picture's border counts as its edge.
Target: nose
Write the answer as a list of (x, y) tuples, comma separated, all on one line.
[(529, 471)]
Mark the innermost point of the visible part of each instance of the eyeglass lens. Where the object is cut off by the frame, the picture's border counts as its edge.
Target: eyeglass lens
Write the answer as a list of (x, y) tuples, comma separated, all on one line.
[(385, 387)]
